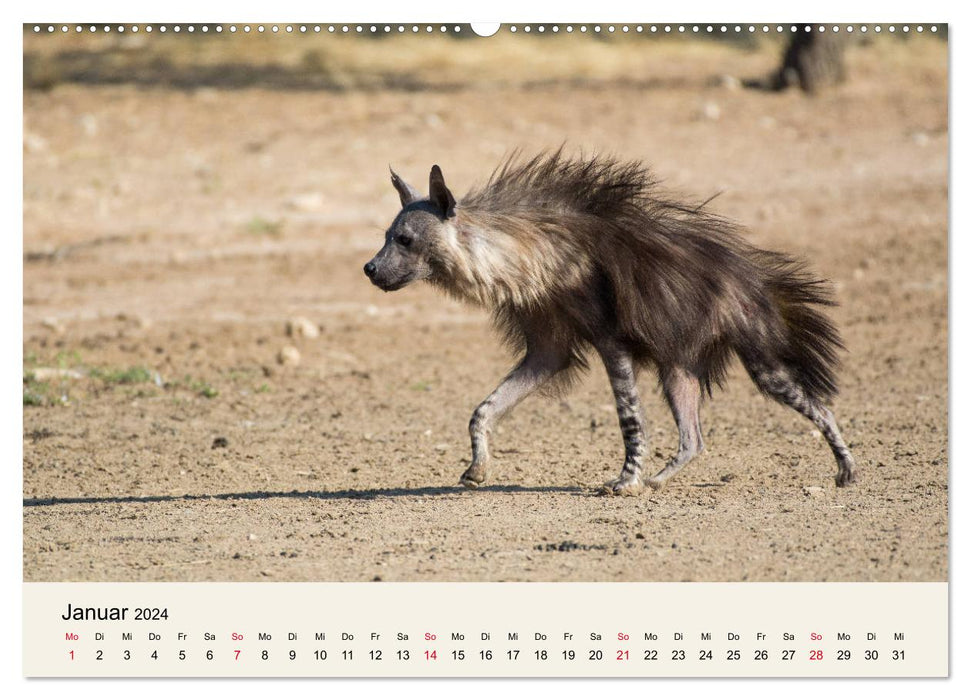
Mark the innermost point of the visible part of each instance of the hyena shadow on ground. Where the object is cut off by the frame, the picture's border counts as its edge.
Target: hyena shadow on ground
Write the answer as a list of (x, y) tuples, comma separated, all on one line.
[(339, 494)]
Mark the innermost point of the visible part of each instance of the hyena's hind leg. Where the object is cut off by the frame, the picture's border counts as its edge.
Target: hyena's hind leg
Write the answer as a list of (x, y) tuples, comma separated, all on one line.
[(539, 365), (777, 381), (682, 390), (623, 381)]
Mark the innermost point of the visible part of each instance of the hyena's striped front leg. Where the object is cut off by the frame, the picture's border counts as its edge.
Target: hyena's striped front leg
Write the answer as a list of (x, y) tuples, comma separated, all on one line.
[(623, 380), (529, 374)]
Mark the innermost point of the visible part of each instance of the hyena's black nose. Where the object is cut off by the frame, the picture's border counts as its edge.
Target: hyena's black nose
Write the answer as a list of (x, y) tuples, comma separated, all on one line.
[(370, 269)]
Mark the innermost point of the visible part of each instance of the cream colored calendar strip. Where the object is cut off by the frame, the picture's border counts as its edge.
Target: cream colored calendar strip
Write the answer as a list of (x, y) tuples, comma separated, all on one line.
[(486, 629)]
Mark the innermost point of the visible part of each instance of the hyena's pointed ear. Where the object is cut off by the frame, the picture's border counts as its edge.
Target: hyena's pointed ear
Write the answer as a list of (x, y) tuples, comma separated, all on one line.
[(406, 192), (438, 193)]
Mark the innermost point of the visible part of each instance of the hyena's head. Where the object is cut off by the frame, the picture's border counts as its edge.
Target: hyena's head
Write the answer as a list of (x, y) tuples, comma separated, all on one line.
[(414, 243)]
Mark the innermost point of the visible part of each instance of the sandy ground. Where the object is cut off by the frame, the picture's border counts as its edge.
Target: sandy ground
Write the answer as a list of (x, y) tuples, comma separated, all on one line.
[(170, 235)]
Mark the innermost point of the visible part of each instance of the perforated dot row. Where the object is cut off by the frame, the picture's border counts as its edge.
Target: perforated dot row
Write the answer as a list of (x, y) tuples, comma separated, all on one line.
[(716, 28), (251, 28), (443, 29)]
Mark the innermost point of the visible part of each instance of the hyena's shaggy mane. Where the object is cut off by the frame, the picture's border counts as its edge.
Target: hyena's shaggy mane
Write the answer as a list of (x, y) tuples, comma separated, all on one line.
[(577, 248)]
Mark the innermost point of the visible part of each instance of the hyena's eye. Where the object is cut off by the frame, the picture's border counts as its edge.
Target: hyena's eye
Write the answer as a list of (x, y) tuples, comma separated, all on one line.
[(404, 239)]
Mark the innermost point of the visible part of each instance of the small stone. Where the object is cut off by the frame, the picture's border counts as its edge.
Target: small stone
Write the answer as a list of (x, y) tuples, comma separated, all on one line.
[(729, 82), (307, 202), (300, 327), (220, 442), (43, 374), (33, 143), (89, 124), (251, 537), (812, 490), (53, 324), (441, 447), (288, 356), (711, 111), (921, 138)]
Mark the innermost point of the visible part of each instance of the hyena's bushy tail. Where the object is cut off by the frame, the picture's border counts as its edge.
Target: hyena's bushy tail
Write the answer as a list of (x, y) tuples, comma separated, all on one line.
[(807, 344)]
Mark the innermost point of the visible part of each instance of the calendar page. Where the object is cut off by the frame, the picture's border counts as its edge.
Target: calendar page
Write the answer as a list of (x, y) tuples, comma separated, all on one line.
[(511, 350)]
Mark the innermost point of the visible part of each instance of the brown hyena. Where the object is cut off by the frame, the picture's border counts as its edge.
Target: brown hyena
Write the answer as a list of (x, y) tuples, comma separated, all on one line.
[(574, 254)]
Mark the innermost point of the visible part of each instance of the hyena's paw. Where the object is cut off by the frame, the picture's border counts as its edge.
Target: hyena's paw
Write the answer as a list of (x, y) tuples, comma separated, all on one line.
[(625, 485), (656, 483), (846, 473), (845, 477), (473, 476)]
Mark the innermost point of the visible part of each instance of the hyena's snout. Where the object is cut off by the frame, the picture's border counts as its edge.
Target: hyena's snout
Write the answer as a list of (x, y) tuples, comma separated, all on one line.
[(370, 269)]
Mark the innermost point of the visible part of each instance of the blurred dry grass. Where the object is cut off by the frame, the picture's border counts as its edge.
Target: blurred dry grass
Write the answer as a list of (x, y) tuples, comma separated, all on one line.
[(397, 61)]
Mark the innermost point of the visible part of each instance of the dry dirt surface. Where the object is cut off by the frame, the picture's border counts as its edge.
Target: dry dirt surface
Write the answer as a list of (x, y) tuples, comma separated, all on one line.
[(170, 234)]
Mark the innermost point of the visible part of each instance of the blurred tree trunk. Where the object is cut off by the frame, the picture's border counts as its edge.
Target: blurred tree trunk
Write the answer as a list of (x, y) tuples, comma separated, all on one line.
[(813, 60)]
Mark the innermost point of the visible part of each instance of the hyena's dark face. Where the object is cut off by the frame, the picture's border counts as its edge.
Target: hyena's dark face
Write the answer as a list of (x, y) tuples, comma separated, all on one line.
[(411, 242), (407, 244)]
